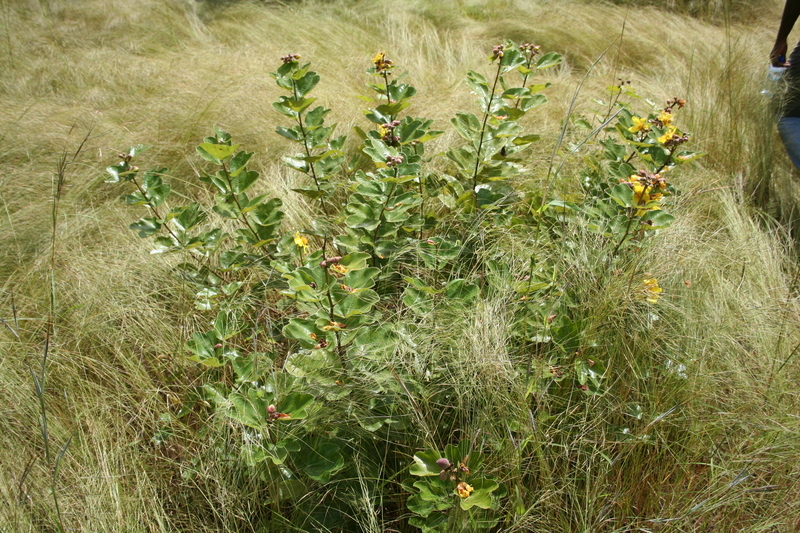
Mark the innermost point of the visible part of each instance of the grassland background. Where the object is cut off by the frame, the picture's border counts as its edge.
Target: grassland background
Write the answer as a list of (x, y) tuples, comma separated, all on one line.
[(162, 72)]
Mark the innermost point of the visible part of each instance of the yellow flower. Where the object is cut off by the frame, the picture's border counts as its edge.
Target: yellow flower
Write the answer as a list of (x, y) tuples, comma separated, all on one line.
[(639, 124), (300, 241), (650, 290), (665, 118), (640, 193), (464, 490), (339, 270), (647, 191), (381, 63), (668, 135)]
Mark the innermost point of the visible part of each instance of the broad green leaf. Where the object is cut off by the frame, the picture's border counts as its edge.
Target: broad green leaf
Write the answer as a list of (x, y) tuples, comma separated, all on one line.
[(320, 460), (120, 172), (482, 495), (163, 243), (316, 116), (267, 213), (393, 109), (189, 217), (621, 170), (227, 324), (461, 452), (305, 84), (459, 289), (279, 452), (227, 210), (249, 409), (238, 163), (283, 109), (295, 405), (622, 194), (400, 91), (203, 348), (463, 157), (561, 206), (532, 102), (420, 506), (417, 301), (548, 60), (466, 124), (214, 393), (377, 150), (135, 198), (505, 129), (353, 304), (314, 194), (216, 153), (435, 523), (146, 226), (244, 181), (660, 156), (319, 157), (434, 489), (437, 251), (290, 134), (512, 59), (432, 134), (361, 278), (318, 364), (355, 261), (252, 367), (156, 195), (478, 83), (296, 163), (373, 115), (305, 332), (614, 151), (589, 373), (218, 181), (425, 463), (204, 299), (298, 105), (657, 220), (516, 92), (421, 286)]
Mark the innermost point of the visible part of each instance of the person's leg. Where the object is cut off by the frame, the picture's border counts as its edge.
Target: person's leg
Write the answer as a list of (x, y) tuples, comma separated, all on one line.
[(789, 129), (789, 123)]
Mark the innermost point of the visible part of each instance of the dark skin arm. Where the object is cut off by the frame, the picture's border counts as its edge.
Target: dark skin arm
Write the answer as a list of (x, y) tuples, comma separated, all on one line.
[(790, 13)]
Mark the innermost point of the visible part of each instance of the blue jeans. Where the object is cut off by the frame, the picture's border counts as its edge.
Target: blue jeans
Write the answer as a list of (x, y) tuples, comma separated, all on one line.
[(789, 129)]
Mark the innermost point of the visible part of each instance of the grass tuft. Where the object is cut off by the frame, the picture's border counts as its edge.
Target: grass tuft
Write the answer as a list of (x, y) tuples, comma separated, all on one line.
[(697, 430)]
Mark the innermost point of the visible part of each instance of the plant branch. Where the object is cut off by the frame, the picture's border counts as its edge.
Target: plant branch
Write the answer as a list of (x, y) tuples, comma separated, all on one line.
[(483, 132)]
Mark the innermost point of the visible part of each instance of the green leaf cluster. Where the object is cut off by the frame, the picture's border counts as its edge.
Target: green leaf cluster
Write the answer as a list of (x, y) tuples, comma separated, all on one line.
[(296, 316)]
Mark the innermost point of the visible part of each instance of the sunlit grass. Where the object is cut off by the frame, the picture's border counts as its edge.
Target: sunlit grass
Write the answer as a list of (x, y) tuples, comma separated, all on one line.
[(718, 439)]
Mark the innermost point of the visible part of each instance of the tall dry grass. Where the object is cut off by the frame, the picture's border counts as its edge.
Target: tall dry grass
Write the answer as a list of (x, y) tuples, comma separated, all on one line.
[(722, 457)]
